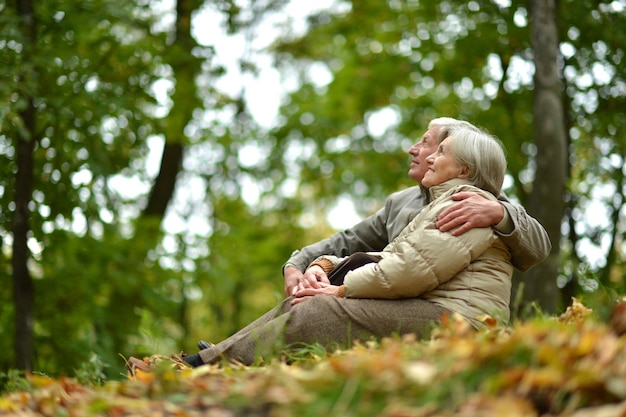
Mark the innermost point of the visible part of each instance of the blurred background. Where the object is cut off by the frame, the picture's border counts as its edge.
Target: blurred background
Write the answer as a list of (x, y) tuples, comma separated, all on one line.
[(160, 160)]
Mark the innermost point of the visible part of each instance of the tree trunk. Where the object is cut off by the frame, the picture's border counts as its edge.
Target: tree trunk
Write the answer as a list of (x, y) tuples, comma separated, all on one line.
[(617, 204), (547, 199), (185, 68), (23, 292), (165, 183)]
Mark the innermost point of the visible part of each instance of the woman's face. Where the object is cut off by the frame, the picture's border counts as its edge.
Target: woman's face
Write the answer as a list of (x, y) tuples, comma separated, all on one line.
[(442, 166)]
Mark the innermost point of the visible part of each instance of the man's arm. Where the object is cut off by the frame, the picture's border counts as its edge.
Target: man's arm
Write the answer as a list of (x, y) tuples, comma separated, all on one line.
[(529, 241), (368, 235), (371, 234), (525, 236)]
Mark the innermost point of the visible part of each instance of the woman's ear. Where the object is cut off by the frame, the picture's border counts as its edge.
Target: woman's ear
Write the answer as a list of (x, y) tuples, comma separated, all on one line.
[(465, 172)]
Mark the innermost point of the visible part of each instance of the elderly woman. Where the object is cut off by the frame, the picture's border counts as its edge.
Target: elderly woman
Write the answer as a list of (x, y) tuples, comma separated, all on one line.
[(420, 276), (469, 274)]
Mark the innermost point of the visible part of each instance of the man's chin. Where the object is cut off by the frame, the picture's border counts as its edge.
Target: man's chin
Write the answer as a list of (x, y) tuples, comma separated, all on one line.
[(416, 176)]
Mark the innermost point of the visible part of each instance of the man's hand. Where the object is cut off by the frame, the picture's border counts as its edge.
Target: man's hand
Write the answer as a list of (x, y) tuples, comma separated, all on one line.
[(314, 277), (471, 211), (293, 276)]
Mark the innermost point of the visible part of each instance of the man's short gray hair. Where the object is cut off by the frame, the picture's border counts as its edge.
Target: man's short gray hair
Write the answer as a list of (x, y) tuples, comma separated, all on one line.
[(447, 123)]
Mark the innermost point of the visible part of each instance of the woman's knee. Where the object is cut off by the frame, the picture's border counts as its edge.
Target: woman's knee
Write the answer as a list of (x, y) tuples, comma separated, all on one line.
[(315, 305)]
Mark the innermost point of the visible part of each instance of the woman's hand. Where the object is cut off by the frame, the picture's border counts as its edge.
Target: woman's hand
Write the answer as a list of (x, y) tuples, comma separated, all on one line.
[(302, 294), (314, 277)]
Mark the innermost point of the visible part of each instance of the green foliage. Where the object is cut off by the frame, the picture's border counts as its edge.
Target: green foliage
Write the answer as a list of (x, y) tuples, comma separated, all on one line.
[(89, 74), (107, 283), (240, 278), (91, 373), (91, 296), (12, 381), (7, 316), (89, 80)]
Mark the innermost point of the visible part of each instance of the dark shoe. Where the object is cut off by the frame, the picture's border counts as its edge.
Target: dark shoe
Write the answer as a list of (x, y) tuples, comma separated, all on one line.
[(193, 360), (203, 345)]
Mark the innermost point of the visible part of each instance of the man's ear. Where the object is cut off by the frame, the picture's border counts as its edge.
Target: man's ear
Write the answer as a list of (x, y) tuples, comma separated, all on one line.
[(465, 172)]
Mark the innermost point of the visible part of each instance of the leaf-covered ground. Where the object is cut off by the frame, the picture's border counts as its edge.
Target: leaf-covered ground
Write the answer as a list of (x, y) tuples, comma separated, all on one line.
[(570, 366)]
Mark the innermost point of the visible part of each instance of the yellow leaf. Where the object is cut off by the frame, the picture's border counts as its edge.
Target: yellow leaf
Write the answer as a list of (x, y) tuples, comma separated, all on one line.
[(577, 312), (421, 372), (8, 405), (40, 381), (542, 378), (141, 376)]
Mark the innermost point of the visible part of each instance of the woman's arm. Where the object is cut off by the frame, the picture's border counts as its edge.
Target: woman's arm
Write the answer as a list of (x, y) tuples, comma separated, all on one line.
[(410, 271), (420, 259)]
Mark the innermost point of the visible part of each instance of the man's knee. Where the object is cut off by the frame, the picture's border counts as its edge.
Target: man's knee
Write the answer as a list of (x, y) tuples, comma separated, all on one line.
[(319, 320)]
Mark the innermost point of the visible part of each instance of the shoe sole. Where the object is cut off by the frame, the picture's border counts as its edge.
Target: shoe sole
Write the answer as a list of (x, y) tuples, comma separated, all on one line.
[(204, 345)]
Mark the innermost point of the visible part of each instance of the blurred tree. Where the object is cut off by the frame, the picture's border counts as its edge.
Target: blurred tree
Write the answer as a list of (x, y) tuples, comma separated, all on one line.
[(75, 111), (25, 144), (593, 52), (107, 279), (185, 100), (547, 198), (186, 67)]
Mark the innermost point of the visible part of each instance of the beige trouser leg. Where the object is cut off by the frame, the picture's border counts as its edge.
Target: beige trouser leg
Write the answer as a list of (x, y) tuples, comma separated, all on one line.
[(327, 320)]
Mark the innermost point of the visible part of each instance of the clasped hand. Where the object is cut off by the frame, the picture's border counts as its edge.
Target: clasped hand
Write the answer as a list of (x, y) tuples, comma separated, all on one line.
[(313, 282), (301, 294)]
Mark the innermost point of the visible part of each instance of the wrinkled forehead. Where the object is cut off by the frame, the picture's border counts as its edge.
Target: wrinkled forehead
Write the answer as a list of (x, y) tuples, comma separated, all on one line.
[(445, 144), (451, 140), (432, 134)]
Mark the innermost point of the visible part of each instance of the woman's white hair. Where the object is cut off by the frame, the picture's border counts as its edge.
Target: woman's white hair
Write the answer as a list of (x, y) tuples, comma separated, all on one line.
[(482, 153)]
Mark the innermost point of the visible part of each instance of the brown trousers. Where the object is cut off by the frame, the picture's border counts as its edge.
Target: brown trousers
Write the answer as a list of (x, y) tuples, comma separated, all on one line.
[(330, 321)]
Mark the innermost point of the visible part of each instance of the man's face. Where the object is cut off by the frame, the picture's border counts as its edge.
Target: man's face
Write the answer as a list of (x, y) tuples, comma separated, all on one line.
[(422, 150)]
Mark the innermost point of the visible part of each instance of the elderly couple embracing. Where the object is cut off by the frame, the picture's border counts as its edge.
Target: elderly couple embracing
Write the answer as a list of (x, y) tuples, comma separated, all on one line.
[(447, 245)]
